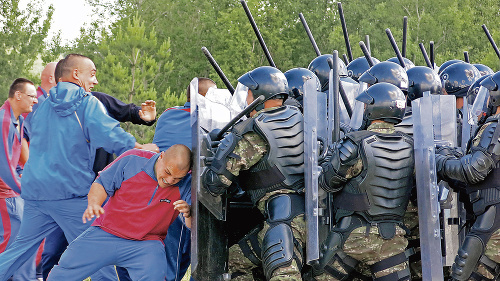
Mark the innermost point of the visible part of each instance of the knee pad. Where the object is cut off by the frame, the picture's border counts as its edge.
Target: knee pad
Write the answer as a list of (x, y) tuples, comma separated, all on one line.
[(277, 248), (284, 208), (467, 258)]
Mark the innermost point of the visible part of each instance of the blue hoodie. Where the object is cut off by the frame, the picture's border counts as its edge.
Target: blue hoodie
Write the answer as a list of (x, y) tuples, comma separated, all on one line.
[(66, 131)]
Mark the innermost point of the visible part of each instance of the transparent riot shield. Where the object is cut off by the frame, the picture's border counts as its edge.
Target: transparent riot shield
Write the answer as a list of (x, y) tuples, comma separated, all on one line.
[(351, 88), (427, 188), (208, 233), (202, 147), (479, 106), (466, 127), (312, 170), (452, 211), (358, 109)]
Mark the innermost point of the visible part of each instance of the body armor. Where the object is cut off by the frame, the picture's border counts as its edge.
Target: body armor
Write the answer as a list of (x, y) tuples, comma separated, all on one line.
[(382, 190), (283, 166), (486, 192)]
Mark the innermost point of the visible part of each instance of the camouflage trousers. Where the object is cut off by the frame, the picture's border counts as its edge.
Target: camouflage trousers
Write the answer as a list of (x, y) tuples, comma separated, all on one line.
[(368, 247), (241, 267), (411, 222), (493, 252)]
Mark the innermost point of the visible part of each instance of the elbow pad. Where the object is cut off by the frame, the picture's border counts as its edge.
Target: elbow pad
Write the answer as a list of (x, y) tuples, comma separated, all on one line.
[(477, 166), (471, 168)]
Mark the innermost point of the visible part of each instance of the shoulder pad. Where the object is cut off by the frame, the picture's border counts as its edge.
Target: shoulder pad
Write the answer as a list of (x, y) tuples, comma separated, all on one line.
[(243, 127)]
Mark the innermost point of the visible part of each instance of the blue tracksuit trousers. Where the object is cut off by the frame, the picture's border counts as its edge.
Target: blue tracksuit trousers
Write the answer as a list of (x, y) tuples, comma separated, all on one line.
[(96, 248), (39, 220)]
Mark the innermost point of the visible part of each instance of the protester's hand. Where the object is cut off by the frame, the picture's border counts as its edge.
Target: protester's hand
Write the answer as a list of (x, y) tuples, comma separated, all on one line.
[(183, 207), (91, 212), (149, 146), (148, 110)]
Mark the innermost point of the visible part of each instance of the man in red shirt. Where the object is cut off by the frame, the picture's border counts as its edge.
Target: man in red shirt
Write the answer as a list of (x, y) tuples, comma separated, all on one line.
[(145, 199)]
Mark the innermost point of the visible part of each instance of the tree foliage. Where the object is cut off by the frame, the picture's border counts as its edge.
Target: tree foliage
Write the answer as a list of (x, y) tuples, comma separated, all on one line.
[(132, 63), (224, 29), (21, 40)]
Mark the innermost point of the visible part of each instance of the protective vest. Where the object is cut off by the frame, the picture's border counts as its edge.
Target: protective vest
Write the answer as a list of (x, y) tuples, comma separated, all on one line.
[(282, 167), (382, 190), (487, 192)]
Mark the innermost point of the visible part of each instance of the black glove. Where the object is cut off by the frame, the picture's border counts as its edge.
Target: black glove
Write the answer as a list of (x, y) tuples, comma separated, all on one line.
[(448, 151), (212, 183)]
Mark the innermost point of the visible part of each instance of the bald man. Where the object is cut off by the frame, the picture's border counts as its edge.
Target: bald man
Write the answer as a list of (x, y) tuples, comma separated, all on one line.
[(146, 195), (58, 174), (173, 127)]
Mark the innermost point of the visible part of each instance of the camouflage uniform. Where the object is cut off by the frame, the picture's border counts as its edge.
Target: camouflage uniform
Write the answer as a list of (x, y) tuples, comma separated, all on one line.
[(483, 240), (364, 243), (248, 152)]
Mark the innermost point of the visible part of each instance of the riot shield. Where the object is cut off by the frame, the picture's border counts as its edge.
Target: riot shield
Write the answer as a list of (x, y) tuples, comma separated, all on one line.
[(452, 211), (466, 127), (351, 89), (202, 107), (479, 106), (434, 121), (358, 109), (213, 109), (315, 141), (208, 234)]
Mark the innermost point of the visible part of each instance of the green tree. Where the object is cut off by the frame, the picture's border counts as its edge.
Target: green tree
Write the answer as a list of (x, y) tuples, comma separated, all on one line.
[(131, 61), (21, 40)]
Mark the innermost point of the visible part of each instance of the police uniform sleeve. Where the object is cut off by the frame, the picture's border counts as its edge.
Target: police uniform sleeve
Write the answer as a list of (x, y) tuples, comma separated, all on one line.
[(475, 166), (341, 164)]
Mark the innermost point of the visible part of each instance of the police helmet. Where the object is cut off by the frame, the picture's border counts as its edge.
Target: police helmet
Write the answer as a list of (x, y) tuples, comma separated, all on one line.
[(321, 68), (383, 101), (448, 63), (358, 66), (422, 79), (388, 72), (491, 83), (267, 81), (483, 69), (458, 77), (408, 63), (296, 77)]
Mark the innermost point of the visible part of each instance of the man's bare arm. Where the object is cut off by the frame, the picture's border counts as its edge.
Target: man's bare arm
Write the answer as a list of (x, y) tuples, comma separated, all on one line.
[(95, 198)]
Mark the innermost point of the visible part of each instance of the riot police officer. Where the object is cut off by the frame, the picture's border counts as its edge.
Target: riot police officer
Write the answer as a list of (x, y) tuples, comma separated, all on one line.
[(370, 173), (456, 80), (296, 77), (388, 72), (408, 63), (358, 66), (478, 256), (265, 155), (420, 79)]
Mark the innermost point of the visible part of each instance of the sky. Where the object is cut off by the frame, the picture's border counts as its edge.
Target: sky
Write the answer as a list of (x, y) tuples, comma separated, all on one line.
[(69, 16)]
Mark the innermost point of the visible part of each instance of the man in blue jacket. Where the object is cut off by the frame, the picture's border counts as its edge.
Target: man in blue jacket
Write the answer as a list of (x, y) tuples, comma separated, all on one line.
[(58, 174), (174, 126)]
